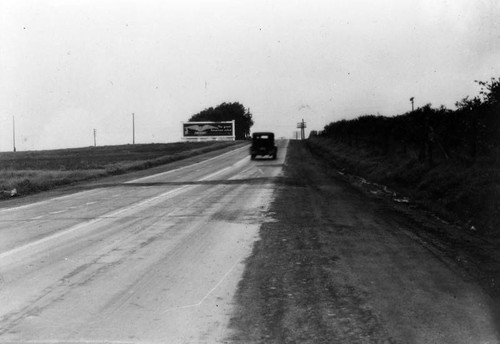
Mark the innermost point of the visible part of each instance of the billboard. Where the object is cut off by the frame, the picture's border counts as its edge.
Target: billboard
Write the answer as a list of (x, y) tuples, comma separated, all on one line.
[(208, 130)]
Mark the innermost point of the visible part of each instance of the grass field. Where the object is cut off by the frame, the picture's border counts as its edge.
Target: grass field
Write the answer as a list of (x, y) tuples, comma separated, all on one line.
[(34, 171)]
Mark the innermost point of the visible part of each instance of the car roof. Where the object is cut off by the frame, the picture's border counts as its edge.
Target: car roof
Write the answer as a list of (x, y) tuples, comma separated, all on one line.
[(263, 133)]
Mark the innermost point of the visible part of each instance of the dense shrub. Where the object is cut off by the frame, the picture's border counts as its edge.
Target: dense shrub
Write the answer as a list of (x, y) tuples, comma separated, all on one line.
[(447, 160), (433, 135)]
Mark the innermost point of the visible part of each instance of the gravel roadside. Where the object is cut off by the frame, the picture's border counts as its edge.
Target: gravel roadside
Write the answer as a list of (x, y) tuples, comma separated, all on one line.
[(336, 266)]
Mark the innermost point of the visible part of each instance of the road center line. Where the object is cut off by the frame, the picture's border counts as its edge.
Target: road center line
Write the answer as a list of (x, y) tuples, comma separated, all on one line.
[(45, 201), (110, 215), (130, 181), (184, 167), (89, 223), (57, 212)]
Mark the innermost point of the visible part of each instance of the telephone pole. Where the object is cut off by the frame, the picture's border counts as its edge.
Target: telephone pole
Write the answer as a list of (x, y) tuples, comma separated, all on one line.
[(95, 142), (302, 126), (14, 134), (133, 128), (411, 99)]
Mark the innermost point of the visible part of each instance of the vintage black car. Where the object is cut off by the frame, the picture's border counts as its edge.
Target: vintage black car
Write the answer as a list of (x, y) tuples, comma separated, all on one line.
[(263, 145)]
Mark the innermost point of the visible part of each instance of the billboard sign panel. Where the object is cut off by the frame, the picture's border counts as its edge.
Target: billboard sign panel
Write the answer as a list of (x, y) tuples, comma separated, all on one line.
[(208, 129)]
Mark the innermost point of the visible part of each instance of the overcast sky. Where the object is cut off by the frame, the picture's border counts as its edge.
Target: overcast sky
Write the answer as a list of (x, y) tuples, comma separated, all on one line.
[(67, 66)]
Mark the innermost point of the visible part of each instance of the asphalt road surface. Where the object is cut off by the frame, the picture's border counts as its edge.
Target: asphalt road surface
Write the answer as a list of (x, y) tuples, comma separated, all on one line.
[(151, 260), (222, 249)]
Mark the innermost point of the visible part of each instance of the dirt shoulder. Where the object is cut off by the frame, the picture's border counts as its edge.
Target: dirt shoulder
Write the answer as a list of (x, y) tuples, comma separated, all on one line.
[(334, 264)]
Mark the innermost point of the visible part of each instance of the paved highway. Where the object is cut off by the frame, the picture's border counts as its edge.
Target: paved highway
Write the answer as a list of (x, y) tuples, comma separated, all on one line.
[(151, 260)]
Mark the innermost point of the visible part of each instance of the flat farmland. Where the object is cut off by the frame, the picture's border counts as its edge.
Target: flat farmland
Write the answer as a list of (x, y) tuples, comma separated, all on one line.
[(34, 171)]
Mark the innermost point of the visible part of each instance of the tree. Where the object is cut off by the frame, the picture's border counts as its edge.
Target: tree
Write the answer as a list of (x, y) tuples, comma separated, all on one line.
[(482, 122), (228, 112), (490, 91)]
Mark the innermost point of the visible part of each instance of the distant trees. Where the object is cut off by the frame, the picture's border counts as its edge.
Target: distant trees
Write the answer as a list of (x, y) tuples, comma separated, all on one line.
[(431, 134), (228, 112)]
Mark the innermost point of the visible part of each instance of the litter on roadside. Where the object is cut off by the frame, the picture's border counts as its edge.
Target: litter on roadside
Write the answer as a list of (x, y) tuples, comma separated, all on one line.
[(11, 193)]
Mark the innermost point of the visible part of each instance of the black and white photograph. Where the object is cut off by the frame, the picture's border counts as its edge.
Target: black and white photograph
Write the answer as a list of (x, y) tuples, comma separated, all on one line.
[(249, 171)]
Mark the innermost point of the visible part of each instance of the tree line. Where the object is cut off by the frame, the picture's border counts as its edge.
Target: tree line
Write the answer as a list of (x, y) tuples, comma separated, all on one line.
[(227, 112), (431, 134)]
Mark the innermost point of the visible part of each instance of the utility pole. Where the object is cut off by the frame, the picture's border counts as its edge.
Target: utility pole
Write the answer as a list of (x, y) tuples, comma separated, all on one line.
[(133, 128), (14, 134), (95, 142), (302, 131), (302, 126), (411, 99)]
